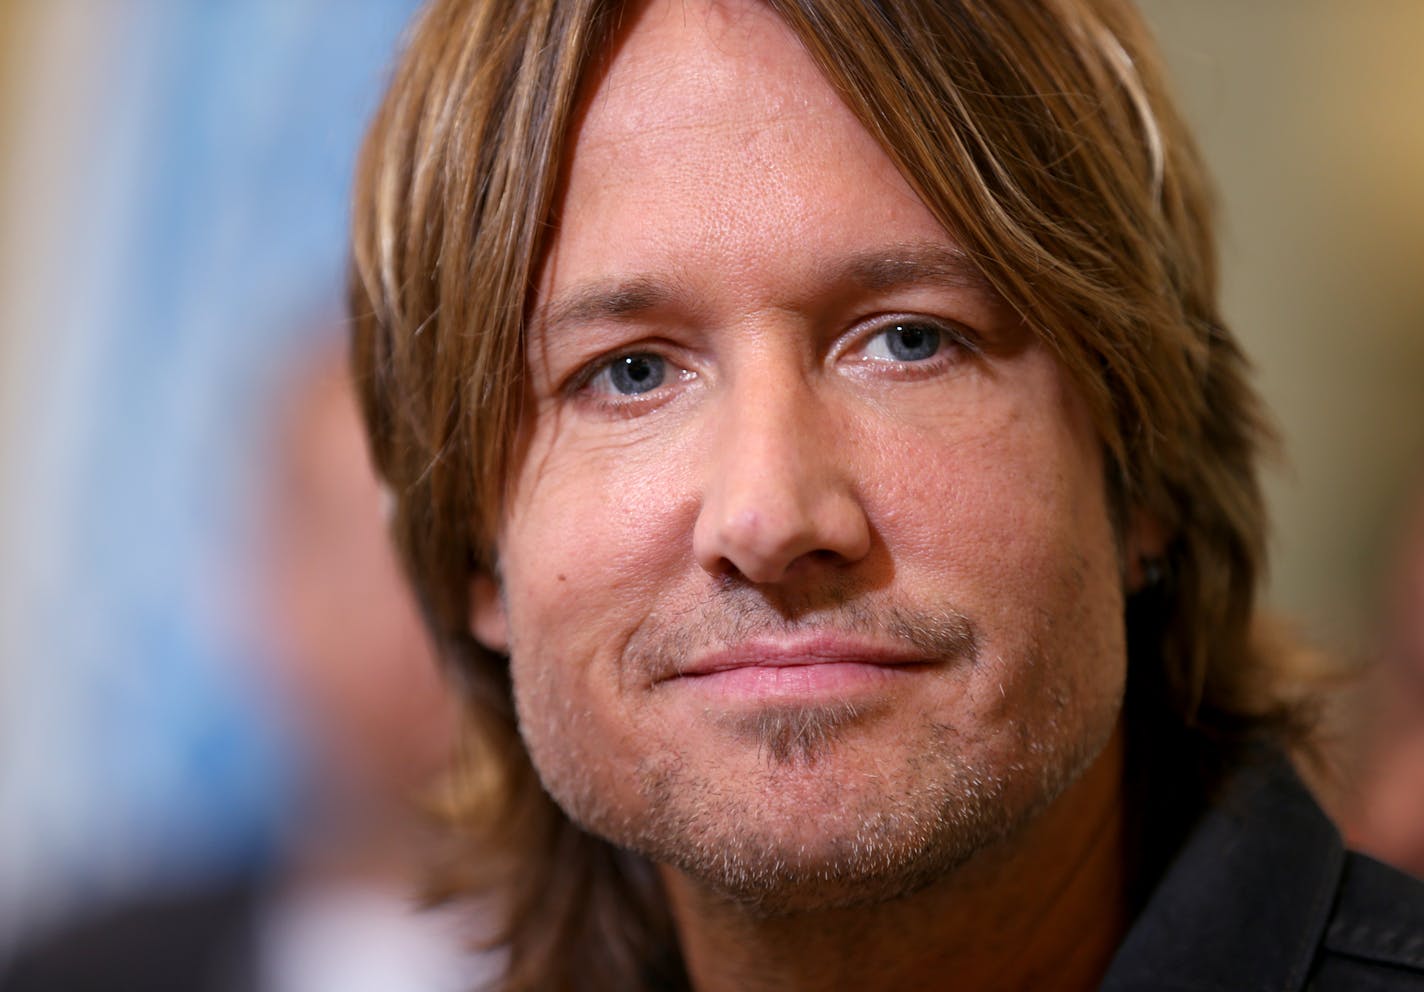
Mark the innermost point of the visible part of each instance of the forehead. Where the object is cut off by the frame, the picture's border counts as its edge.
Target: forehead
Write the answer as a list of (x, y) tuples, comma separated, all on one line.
[(711, 142), (673, 61)]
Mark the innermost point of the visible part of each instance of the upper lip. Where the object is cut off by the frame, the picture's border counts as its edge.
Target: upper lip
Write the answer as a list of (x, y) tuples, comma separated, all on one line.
[(815, 649)]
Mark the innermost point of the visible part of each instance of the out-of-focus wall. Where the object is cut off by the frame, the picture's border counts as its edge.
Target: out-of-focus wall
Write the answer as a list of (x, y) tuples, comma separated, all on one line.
[(1311, 114), (40, 116), (11, 26)]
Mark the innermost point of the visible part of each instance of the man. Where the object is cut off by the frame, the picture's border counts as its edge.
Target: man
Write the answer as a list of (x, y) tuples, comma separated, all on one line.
[(817, 451)]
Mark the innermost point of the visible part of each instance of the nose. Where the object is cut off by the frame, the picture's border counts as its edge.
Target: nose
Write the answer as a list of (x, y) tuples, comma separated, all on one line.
[(777, 487)]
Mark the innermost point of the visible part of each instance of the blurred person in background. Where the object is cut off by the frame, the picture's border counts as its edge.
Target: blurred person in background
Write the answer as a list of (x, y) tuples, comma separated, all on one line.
[(1381, 805), (356, 685), (174, 185)]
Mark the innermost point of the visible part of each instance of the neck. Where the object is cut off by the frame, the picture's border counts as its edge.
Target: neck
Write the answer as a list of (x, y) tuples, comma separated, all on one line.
[(1045, 908)]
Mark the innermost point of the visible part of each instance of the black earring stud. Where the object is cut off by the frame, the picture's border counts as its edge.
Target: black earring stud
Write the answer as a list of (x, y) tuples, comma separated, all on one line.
[(1153, 571)]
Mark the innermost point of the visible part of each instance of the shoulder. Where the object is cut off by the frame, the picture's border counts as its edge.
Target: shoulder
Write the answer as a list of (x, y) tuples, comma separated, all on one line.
[(1263, 895), (1375, 935)]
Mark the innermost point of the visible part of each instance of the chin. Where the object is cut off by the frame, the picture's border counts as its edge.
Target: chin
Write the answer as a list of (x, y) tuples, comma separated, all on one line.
[(796, 830), (787, 810), (866, 852)]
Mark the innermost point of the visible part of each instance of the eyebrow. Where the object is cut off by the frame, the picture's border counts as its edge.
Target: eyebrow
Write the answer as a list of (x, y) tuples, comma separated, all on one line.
[(601, 301), (878, 270), (907, 264)]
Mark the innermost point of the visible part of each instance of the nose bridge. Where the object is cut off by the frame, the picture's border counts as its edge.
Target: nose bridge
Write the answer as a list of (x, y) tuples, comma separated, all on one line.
[(772, 450), (775, 487)]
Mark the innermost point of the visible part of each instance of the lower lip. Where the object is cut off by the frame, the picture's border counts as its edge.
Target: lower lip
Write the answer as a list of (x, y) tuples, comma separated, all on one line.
[(797, 682)]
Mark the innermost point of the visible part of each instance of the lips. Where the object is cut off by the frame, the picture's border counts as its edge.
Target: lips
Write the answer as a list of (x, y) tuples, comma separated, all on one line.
[(802, 652)]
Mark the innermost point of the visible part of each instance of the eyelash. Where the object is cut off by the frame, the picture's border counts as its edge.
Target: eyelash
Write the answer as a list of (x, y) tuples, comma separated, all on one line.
[(956, 342), (622, 403)]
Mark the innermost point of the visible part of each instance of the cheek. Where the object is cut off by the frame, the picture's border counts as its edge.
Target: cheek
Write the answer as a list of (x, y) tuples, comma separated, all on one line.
[(998, 500), (579, 573), (600, 534), (1004, 515)]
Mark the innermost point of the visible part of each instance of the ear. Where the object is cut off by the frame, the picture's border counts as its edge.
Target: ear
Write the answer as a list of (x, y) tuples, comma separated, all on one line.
[(488, 621), (1145, 549)]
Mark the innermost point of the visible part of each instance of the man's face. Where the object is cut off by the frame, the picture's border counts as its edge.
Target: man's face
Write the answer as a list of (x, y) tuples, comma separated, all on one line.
[(808, 578)]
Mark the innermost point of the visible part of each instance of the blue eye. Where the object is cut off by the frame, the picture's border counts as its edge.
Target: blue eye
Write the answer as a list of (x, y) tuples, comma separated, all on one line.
[(634, 374), (905, 342)]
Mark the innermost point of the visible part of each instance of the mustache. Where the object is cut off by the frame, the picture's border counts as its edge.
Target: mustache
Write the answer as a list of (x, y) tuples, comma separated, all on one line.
[(668, 640)]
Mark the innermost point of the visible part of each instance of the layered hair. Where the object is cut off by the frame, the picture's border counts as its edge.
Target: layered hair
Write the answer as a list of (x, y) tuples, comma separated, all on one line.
[(1039, 133)]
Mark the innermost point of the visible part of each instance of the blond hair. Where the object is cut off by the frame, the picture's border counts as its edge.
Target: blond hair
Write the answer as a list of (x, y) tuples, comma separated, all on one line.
[(1038, 132)]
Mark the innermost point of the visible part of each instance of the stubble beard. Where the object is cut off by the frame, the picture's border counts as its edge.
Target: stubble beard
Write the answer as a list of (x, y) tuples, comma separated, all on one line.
[(877, 846), (869, 844)]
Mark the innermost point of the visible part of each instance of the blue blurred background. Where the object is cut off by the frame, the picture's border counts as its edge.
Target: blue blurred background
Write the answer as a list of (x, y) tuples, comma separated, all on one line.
[(173, 198)]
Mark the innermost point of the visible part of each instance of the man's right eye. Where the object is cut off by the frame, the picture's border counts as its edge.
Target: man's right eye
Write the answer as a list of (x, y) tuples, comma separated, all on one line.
[(630, 375)]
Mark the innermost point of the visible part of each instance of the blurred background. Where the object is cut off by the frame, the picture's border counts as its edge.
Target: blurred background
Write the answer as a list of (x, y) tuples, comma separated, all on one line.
[(1311, 115), (173, 187), (173, 200)]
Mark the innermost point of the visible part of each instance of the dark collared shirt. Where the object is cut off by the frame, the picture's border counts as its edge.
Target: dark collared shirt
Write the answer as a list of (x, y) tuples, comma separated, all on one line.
[(1264, 897)]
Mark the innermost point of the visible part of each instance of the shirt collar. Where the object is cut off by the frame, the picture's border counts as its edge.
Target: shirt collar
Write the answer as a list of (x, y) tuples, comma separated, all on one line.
[(1243, 905)]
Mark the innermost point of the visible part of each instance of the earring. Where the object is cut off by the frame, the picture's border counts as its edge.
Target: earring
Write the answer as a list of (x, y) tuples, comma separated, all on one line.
[(1154, 570)]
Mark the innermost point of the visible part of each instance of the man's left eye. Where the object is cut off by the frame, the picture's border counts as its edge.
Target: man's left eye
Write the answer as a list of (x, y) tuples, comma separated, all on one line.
[(905, 341)]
